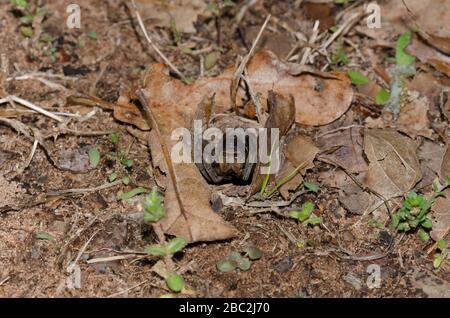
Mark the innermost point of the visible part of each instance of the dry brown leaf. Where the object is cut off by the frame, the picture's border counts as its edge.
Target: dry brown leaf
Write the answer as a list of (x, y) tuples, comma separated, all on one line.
[(445, 168), (413, 118), (428, 54), (441, 217), (188, 211), (344, 149), (432, 285), (123, 111), (299, 151), (281, 116), (318, 101), (394, 167), (162, 12)]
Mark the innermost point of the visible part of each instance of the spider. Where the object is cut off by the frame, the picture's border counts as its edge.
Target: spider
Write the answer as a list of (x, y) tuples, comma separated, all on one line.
[(228, 170)]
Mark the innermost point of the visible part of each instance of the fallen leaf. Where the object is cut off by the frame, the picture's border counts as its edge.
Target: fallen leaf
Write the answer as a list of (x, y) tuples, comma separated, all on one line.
[(394, 168), (318, 101), (413, 117), (188, 213), (441, 217), (344, 149), (428, 54), (445, 168), (432, 286), (183, 12)]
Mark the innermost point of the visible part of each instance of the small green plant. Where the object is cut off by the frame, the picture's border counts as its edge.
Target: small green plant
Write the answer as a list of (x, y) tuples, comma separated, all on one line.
[(311, 186), (153, 212), (175, 245), (413, 215), (122, 166), (382, 97), (236, 260), (340, 57), (440, 257), (28, 15), (306, 215), (153, 207)]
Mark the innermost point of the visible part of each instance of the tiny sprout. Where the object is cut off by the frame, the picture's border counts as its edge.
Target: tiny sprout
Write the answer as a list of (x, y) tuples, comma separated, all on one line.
[(153, 207), (94, 157), (115, 138)]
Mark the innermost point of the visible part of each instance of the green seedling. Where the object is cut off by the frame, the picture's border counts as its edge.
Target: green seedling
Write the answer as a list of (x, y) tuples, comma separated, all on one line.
[(311, 186), (173, 246), (413, 215), (153, 207), (306, 215), (339, 58), (440, 257), (382, 97), (404, 68), (235, 259), (122, 163)]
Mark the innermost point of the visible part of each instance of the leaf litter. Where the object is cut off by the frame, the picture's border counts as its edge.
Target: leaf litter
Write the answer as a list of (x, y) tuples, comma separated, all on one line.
[(362, 174)]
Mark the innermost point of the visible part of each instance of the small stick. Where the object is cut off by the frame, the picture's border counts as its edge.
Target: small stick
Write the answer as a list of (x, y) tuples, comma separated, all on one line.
[(12, 98), (153, 45), (83, 190), (238, 73)]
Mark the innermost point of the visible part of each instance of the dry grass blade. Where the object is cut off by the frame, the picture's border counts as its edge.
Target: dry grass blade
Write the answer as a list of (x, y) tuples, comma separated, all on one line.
[(31, 106)]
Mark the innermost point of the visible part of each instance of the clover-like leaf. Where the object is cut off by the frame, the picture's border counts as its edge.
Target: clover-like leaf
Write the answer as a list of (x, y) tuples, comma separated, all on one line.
[(253, 252)]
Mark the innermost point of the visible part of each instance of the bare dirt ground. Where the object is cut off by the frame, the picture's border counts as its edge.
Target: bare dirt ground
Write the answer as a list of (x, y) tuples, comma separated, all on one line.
[(50, 238)]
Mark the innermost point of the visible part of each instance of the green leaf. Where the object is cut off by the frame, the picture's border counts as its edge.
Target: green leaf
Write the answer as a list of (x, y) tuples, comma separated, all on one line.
[(403, 227), (175, 282), (153, 207), (235, 256), (115, 138), (382, 97), (126, 180), (40, 12), (156, 250), (401, 57), (226, 265), (132, 193), (423, 235), (253, 252), (447, 181), (244, 264), (334, 28), (26, 31), (112, 177), (210, 60), (315, 220), (26, 19), (357, 78), (293, 214), (186, 50), (427, 224), (438, 259), (441, 245), (44, 236), (22, 4), (311, 186), (175, 245), (127, 163), (339, 57), (306, 211), (92, 35), (94, 157)]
